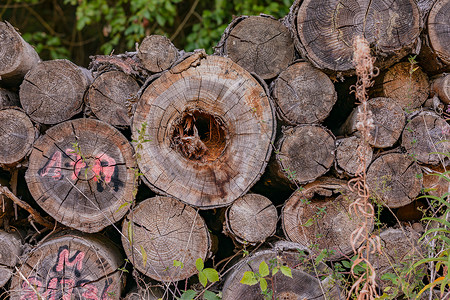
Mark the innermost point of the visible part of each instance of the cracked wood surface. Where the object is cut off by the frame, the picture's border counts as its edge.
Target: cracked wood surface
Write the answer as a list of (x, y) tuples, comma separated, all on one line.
[(157, 53), (160, 230), (10, 250), (81, 173), (52, 92), (217, 87), (348, 152), (439, 30)]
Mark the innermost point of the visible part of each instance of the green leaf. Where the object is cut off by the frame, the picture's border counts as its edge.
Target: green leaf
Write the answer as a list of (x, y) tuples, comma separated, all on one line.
[(177, 263), (263, 284), (249, 278), (308, 223), (202, 278), (208, 295), (130, 232), (286, 271), (144, 255), (123, 205), (188, 295), (263, 269), (275, 270), (199, 264), (211, 274), (346, 264)]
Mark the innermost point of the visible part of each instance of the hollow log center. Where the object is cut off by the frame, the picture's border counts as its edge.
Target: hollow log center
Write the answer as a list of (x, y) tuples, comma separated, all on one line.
[(199, 136)]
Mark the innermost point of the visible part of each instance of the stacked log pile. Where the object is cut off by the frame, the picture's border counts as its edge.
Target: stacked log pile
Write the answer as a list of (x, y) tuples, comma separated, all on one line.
[(166, 157)]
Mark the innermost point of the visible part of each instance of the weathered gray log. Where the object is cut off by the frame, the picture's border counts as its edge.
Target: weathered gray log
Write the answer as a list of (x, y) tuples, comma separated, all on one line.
[(438, 30), (110, 95), (8, 98), (319, 215), (17, 135), (394, 179), (299, 158), (70, 266), (251, 219), (260, 44), (157, 53), (81, 172), (17, 57), (304, 283), (388, 120), (427, 138), (404, 82), (161, 230), (53, 91), (349, 152), (441, 87), (324, 30), (212, 124), (10, 250), (303, 94)]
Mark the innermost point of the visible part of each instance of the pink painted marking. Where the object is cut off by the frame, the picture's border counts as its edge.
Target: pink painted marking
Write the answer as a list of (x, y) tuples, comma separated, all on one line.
[(63, 259), (51, 289), (97, 169), (109, 169), (68, 285), (91, 292), (27, 292), (53, 167)]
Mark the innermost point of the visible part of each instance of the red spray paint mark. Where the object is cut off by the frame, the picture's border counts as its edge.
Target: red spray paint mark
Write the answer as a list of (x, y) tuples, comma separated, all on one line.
[(63, 260), (28, 293), (53, 166)]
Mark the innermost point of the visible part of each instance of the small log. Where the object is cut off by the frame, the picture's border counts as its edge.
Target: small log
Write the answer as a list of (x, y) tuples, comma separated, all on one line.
[(53, 91), (213, 124), (349, 152), (299, 158), (161, 230), (8, 98), (304, 283), (260, 44), (17, 57), (435, 180), (441, 87), (404, 82), (303, 94), (251, 218), (81, 172), (324, 30), (438, 32), (427, 138), (157, 53), (388, 120), (17, 135), (10, 250), (109, 97), (319, 214), (71, 266), (394, 179)]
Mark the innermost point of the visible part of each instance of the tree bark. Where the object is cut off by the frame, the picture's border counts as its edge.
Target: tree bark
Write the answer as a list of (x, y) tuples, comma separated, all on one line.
[(299, 159), (10, 250), (405, 84), (17, 135), (319, 215), (157, 53), (251, 219), (17, 57), (388, 120), (109, 97), (438, 30), (212, 124), (8, 98), (304, 283), (52, 92), (82, 173), (303, 94), (441, 87), (324, 30), (394, 179), (260, 44), (160, 231), (71, 266), (348, 154), (427, 138)]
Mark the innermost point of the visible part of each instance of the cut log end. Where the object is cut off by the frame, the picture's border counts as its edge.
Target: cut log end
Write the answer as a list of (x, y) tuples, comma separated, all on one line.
[(157, 53), (441, 88), (438, 30), (10, 250), (349, 154)]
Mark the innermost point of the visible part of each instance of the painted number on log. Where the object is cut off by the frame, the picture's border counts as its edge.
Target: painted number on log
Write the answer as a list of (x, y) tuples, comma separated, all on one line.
[(64, 280)]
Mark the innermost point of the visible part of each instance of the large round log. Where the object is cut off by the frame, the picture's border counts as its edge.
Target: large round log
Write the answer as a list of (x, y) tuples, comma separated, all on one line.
[(303, 94), (394, 179), (441, 87), (304, 283), (300, 159), (438, 26), (388, 119), (260, 44), (71, 266), (53, 91), (8, 98), (427, 138), (324, 30), (17, 135), (157, 53), (10, 250), (81, 172), (319, 218), (211, 129), (349, 152), (160, 231), (109, 97), (251, 219), (17, 57)]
